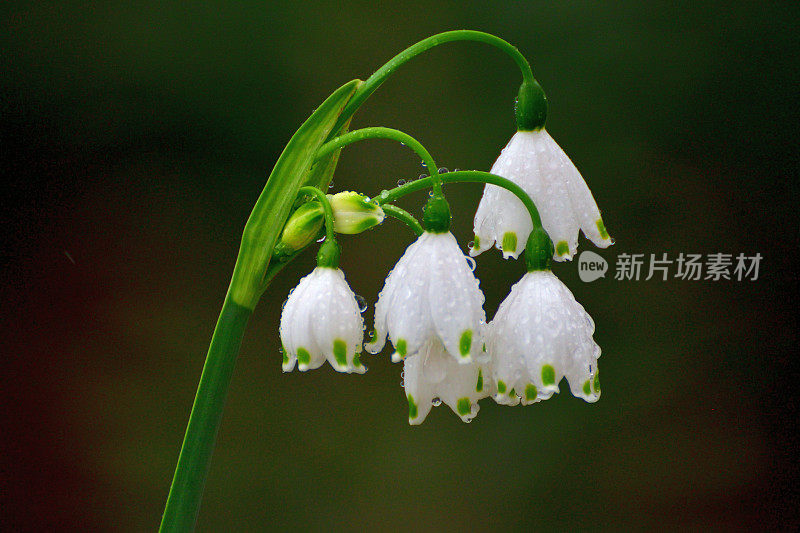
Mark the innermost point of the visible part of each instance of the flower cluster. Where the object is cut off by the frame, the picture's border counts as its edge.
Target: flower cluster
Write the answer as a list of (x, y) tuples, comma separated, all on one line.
[(431, 306)]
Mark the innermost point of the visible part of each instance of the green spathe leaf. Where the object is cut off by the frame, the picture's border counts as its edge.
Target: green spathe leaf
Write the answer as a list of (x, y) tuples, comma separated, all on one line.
[(292, 170)]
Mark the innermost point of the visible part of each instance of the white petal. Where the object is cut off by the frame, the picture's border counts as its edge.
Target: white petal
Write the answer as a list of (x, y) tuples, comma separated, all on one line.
[(397, 278), (455, 299), (337, 325), (433, 376)]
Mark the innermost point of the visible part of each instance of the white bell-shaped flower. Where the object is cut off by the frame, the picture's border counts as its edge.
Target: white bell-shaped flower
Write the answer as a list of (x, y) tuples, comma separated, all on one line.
[(534, 161), (431, 294), (322, 320), (539, 335), (432, 376)]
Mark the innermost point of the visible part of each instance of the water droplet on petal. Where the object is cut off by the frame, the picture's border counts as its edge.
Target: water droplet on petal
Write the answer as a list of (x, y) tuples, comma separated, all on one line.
[(470, 262), (436, 402), (362, 303)]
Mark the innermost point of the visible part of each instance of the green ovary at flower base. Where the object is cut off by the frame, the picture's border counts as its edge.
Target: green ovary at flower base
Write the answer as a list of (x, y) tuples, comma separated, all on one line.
[(431, 306)]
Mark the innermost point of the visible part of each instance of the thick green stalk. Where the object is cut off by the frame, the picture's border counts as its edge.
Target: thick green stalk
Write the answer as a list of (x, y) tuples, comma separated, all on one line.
[(380, 75), (251, 275), (195, 458)]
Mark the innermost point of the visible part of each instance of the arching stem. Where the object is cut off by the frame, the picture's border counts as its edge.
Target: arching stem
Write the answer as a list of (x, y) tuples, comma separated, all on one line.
[(385, 133), (403, 216), (380, 75), (326, 209), (465, 176)]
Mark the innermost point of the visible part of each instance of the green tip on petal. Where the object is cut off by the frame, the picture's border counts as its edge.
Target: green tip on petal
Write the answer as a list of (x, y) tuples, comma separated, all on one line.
[(562, 248), (597, 382), (530, 392), (476, 243), (509, 242), (412, 408), (501, 387), (465, 343), (401, 347), (548, 375), (602, 229), (340, 352), (587, 388), (303, 357), (463, 406), (479, 385), (285, 354)]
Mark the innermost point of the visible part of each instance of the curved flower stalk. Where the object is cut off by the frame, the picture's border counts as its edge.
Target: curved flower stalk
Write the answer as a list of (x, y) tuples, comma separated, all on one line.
[(539, 335), (431, 294), (432, 376), (321, 320)]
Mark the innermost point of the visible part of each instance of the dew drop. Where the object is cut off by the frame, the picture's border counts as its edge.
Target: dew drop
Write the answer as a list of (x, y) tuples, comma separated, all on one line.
[(424, 164), (436, 402), (400, 182), (330, 185), (471, 244), (362, 303), (443, 170), (321, 239), (422, 176), (470, 262)]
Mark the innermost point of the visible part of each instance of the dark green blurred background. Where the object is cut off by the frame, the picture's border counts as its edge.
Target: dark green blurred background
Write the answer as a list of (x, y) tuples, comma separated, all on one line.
[(137, 137)]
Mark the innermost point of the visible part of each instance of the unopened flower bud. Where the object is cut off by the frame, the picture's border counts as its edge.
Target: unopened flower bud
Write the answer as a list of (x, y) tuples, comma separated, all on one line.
[(301, 229), (354, 213)]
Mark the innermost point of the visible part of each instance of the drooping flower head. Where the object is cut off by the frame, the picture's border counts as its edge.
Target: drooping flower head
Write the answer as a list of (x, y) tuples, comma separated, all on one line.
[(534, 161), (322, 320), (432, 376), (431, 294), (539, 335)]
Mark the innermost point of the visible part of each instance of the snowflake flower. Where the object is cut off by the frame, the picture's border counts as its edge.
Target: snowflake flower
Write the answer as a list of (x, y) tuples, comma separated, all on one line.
[(539, 335), (321, 320), (431, 294), (534, 161)]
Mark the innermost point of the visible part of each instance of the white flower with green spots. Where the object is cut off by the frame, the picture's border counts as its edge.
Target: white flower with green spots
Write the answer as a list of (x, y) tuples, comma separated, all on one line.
[(431, 294), (539, 335), (321, 320), (432, 376), (534, 161)]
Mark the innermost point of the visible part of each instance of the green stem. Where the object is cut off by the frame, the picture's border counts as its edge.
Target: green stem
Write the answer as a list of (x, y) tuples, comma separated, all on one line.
[(384, 133), (465, 176), (404, 216), (380, 75), (326, 209), (186, 490)]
